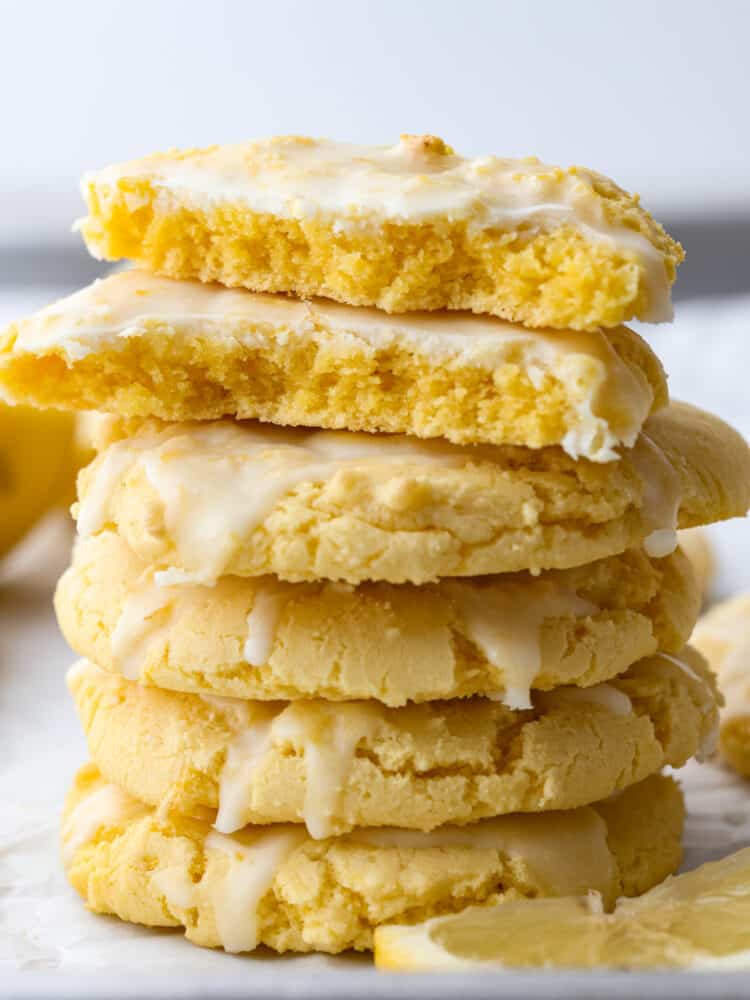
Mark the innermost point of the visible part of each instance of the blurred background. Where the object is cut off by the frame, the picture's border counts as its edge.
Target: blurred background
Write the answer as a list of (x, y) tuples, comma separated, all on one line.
[(652, 94)]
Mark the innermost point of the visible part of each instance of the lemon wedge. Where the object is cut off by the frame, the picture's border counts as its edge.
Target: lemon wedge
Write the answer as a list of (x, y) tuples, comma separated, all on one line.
[(37, 467), (699, 920)]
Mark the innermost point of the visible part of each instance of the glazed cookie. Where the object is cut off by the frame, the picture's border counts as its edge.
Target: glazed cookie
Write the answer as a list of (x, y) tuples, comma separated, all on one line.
[(276, 886), (339, 766), (202, 500), (140, 345), (413, 226), (256, 637), (723, 636)]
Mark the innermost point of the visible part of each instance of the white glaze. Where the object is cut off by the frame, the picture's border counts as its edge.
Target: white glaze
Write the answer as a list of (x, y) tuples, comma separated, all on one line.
[(604, 695), (250, 873), (131, 304), (505, 622), (235, 895), (563, 849), (357, 186), (105, 806), (263, 620), (660, 505), (218, 481), (328, 736), (139, 625), (324, 735), (245, 755)]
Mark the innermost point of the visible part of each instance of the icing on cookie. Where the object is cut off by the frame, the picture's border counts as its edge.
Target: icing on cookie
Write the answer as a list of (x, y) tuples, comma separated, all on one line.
[(538, 839), (417, 180), (605, 695), (105, 806), (217, 482), (661, 497), (505, 623), (326, 736), (130, 305)]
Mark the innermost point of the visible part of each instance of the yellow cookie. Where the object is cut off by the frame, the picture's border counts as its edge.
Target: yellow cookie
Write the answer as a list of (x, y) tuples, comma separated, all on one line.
[(205, 499), (723, 636), (697, 546), (256, 637), (413, 226), (140, 345), (278, 887), (339, 766)]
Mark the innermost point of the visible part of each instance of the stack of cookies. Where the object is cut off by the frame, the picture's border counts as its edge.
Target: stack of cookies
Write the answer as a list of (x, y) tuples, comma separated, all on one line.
[(376, 580)]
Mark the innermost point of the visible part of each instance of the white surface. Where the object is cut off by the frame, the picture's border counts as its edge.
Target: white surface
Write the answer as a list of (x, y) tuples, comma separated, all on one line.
[(44, 928), (653, 94)]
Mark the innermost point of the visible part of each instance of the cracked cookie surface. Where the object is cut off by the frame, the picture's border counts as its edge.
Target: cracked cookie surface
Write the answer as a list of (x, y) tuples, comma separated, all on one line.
[(275, 886), (203, 500), (254, 637), (339, 766)]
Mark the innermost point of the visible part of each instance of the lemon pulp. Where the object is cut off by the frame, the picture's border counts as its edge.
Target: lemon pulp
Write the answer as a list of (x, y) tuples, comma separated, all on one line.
[(700, 919)]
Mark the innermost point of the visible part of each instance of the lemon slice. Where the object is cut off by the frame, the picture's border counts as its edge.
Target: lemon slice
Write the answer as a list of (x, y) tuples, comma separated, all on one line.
[(697, 920)]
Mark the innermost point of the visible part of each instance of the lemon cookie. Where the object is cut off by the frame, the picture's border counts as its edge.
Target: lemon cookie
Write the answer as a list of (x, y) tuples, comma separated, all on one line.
[(140, 345), (697, 546), (202, 500), (723, 636), (339, 766), (412, 226), (256, 637), (278, 887)]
